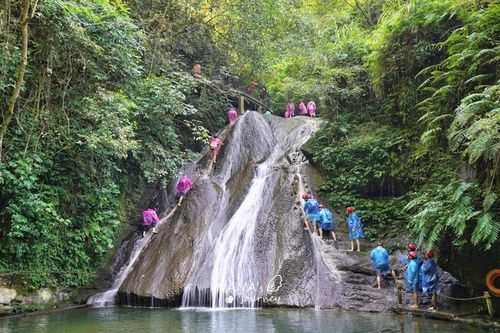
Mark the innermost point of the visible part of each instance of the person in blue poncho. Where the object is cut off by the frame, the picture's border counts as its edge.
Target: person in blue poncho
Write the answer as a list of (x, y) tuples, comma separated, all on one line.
[(325, 219), (380, 259), (355, 228), (311, 208), (412, 277), (429, 277)]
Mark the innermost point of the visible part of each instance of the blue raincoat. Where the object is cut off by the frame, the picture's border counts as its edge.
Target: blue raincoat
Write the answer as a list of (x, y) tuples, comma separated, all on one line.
[(380, 259), (412, 275), (326, 219), (429, 276), (311, 207), (354, 226)]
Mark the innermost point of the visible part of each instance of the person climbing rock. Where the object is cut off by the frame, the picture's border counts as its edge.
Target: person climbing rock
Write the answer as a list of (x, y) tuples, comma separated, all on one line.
[(355, 228), (149, 220), (183, 186), (325, 219), (290, 110), (311, 108), (215, 144), (412, 277), (232, 115), (311, 208), (380, 259), (305, 197), (429, 277), (303, 109)]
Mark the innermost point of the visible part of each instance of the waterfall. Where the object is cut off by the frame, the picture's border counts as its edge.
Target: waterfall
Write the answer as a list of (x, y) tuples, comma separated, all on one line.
[(234, 279)]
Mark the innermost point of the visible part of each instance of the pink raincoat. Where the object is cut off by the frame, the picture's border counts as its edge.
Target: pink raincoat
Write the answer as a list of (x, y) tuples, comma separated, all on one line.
[(290, 108), (184, 185), (232, 115), (303, 109), (215, 143), (311, 108), (149, 218)]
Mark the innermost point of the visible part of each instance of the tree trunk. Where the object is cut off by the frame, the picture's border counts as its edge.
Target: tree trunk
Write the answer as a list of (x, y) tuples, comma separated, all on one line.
[(21, 70)]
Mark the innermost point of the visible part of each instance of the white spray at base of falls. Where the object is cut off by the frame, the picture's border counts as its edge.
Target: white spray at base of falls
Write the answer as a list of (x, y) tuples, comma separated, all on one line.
[(234, 279)]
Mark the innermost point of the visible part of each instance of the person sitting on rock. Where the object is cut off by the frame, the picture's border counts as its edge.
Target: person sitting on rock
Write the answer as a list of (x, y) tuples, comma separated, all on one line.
[(183, 186), (355, 228), (412, 277), (232, 115), (149, 220), (215, 144), (325, 219), (429, 277), (380, 259), (311, 208)]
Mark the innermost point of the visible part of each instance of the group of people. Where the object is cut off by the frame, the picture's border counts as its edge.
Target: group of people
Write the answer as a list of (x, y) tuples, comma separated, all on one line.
[(421, 273), (309, 110), (322, 220)]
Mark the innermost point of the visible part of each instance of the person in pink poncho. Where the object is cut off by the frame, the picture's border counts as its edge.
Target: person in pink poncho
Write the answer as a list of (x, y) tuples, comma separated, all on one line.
[(149, 220), (311, 108), (215, 144), (232, 115), (183, 186), (290, 110), (302, 108)]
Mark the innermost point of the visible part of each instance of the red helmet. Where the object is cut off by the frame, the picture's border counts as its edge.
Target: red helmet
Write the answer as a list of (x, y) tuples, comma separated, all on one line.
[(412, 254), (350, 209), (412, 247), (430, 254), (305, 196)]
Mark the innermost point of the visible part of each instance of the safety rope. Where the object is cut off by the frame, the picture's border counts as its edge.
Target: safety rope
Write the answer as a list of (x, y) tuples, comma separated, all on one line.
[(449, 297)]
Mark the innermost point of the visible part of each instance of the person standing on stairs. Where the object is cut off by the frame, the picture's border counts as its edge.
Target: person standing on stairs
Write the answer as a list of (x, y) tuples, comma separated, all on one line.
[(290, 110), (311, 208), (412, 277), (303, 108), (232, 115), (325, 219), (311, 108), (149, 220), (355, 228), (183, 186), (215, 144), (380, 259)]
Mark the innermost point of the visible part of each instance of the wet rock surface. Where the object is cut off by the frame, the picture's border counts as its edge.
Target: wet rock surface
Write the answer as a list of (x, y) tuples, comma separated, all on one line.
[(311, 272)]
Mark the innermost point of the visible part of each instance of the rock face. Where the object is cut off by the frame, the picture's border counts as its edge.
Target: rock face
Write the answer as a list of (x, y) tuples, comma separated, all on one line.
[(258, 150), (239, 239)]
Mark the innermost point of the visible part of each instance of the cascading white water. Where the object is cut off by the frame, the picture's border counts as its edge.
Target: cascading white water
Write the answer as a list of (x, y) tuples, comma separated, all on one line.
[(233, 280)]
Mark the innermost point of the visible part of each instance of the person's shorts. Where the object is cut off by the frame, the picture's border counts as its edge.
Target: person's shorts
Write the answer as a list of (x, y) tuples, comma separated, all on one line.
[(412, 287), (148, 227), (313, 218), (383, 269)]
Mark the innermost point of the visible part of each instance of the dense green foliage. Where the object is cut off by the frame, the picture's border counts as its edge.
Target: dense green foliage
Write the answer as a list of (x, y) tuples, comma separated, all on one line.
[(96, 121), (411, 93), (409, 89)]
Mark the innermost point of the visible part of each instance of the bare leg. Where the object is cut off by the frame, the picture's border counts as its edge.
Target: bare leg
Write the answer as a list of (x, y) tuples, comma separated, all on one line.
[(334, 236), (314, 228), (352, 245), (180, 200), (306, 224), (378, 281), (357, 243), (393, 273), (320, 233), (415, 301)]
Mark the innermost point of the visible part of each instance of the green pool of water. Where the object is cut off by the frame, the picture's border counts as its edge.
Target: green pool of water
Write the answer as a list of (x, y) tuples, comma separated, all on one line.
[(135, 320)]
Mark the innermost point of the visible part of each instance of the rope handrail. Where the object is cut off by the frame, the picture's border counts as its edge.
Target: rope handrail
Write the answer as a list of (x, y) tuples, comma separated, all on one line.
[(449, 297)]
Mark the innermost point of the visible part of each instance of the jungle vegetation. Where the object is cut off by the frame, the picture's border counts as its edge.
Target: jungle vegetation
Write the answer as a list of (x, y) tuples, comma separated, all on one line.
[(98, 105)]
